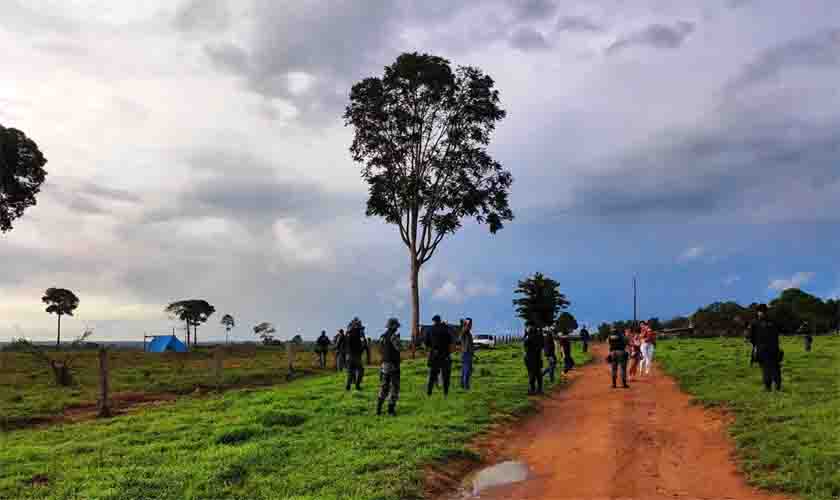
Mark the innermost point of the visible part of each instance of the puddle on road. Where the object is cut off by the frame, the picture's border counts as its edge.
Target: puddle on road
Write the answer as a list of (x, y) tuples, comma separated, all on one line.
[(496, 475)]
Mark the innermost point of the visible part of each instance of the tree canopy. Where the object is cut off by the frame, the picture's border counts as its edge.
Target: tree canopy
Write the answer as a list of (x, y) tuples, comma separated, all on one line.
[(421, 133), (566, 322), (540, 300), (61, 302), (21, 175), (191, 311), (265, 331)]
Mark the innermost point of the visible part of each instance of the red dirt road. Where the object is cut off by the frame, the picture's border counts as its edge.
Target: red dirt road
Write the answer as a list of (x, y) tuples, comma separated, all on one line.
[(592, 442)]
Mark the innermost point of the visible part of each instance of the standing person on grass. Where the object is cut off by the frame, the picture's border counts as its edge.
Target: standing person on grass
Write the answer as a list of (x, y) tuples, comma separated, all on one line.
[(439, 342), (322, 347), (550, 350), (566, 345), (767, 350), (467, 350), (355, 349), (584, 339), (340, 350), (534, 343), (648, 348), (389, 373), (617, 357)]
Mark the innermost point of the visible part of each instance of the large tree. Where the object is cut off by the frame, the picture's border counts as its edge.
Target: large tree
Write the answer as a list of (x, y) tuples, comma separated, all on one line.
[(229, 323), (540, 300), (421, 133), (21, 175), (61, 302), (193, 312), (265, 331)]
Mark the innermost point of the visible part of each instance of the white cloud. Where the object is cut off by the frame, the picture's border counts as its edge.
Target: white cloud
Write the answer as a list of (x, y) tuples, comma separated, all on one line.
[(692, 253), (796, 281), (449, 292), (732, 279)]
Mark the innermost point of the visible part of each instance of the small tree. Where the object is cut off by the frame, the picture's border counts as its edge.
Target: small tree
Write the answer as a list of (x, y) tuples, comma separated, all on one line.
[(566, 323), (604, 330), (60, 364), (21, 175), (193, 312), (61, 302), (265, 331), (541, 300), (229, 323), (421, 132)]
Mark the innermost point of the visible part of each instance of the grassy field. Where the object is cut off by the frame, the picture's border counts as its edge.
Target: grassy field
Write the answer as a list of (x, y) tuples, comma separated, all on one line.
[(306, 440), (788, 441), (28, 391)]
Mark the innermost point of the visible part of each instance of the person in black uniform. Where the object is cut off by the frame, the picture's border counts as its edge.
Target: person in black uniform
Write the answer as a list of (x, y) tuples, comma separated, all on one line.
[(439, 342), (340, 350), (805, 330), (389, 374), (322, 346), (617, 357), (767, 351), (534, 343), (584, 339), (550, 351), (566, 345), (356, 345)]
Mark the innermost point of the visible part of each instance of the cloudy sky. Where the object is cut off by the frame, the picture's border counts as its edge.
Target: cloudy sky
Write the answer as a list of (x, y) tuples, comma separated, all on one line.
[(196, 150)]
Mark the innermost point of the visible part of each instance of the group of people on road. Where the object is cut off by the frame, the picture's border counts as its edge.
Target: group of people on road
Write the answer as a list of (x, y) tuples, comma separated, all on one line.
[(539, 342), (635, 348)]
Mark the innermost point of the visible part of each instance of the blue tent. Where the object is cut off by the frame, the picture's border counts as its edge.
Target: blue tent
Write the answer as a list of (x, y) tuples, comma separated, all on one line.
[(166, 343)]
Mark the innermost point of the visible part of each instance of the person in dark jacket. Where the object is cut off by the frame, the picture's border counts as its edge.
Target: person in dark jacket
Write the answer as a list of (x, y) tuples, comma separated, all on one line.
[(467, 353), (356, 346), (439, 342), (340, 350), (322, 347), (805, 331), (389, 373), (566, 345), (617, 358), (534, 343), (550, 351), (765, 334), (584, 339)]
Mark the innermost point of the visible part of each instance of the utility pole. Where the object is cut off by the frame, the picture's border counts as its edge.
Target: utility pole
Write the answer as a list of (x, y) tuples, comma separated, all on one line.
[(634, 304)]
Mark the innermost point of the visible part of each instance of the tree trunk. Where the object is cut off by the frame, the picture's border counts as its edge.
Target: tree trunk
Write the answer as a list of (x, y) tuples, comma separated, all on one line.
[(58, 338), (104, 402), (195, 334), (415, 306)]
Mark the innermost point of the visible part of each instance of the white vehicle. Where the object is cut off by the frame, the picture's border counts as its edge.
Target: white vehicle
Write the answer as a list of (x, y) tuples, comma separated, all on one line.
[(484, 340)]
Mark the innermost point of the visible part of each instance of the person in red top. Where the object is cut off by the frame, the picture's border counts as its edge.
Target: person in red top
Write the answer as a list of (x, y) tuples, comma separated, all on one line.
[(648, 348), (635, 353)]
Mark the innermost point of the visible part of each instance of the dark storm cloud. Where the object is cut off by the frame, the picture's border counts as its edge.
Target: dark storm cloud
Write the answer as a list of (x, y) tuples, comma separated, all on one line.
[(202, 15), (527, 38), (578, 24), (533, 10), (657, 36), (819, 50)]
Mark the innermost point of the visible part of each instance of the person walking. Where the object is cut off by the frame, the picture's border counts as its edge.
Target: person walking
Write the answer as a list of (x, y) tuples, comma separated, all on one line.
[(768, 352), (617, 357), (356, 344), (340, 350), (635, 345), (550, 351), (584, 339), (534, 343), (566, 346), (439, 342), (805, 330), (648, 348), (389, 373), (322, 347), (467, 354)]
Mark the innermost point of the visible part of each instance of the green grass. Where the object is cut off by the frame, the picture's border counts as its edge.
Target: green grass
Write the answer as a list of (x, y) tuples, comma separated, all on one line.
[(28, 391), (788, 441), (305, 440)]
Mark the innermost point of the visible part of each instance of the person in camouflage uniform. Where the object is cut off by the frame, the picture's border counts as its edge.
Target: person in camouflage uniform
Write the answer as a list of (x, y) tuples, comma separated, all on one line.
[(617, 358), (389, 374), (356, 345)]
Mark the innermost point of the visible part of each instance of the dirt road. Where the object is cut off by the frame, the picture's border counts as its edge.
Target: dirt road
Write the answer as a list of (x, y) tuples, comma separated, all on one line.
[(647, 442)]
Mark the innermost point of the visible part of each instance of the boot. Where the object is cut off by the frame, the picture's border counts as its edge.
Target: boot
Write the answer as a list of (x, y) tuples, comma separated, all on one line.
[(379, 406), (392, 409)]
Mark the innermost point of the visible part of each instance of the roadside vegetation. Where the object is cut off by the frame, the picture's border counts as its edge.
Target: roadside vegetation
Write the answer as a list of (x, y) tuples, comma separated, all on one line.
[(786, 441), (306, 440)]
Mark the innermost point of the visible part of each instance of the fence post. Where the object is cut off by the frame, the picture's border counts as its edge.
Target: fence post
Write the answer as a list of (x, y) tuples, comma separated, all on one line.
[(104, 402)]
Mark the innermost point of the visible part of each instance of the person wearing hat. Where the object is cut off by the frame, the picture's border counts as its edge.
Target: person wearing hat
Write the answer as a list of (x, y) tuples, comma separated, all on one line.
[(439, 341), (356, 346), (765, 334), (389, 373)]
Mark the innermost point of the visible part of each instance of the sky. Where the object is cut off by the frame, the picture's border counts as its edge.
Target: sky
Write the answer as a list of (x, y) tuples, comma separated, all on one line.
[(196, 150)]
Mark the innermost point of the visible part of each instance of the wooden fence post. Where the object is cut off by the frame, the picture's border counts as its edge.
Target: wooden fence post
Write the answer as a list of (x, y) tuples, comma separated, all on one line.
[(104, 402)]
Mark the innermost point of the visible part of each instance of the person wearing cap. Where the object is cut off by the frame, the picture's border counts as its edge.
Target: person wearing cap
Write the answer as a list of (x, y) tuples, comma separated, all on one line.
[(322, 347), (389, 373), (767, 350), (356, 346), (617, 358), (439, 341)]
